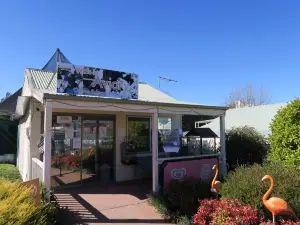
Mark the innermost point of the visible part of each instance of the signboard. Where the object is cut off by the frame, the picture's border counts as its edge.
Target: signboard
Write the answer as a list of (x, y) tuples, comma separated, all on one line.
[(198, 168), (35, 186), (64, 119), (81, 80)]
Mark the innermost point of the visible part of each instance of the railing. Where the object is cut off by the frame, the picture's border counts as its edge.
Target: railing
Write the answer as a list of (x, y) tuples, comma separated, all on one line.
[(37, 169)]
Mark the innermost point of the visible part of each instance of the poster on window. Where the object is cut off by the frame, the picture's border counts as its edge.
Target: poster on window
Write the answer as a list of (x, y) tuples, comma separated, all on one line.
[(82, 80)]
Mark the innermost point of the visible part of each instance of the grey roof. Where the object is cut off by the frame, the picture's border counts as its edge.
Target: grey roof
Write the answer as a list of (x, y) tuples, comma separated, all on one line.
[(58, 56), (45, 81), (258, 117), (8, 106)]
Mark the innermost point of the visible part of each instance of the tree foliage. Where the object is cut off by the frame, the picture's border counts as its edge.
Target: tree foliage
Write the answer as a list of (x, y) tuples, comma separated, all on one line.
[(245, 146), (285, 135), (248, 96)]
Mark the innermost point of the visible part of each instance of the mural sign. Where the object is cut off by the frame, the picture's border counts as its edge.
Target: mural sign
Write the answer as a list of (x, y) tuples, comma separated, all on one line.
[(81, 80), (198, 168)]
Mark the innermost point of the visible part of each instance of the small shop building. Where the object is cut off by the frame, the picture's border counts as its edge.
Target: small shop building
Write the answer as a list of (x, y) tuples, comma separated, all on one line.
[(79, 125)]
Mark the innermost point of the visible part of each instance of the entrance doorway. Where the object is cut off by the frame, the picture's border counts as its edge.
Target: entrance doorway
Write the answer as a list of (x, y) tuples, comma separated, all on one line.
[(98, 141), (83, 150)]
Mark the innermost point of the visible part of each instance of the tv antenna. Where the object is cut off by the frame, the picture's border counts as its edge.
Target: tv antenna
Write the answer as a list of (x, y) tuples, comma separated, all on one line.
[(165, 78)]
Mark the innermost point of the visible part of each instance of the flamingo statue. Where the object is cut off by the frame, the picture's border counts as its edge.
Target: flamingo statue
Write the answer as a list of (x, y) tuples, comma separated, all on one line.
[(216, 185), (276, 206)]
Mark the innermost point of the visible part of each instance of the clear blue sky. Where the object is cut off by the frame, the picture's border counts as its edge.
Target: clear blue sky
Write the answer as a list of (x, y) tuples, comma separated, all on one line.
[(210, 47)]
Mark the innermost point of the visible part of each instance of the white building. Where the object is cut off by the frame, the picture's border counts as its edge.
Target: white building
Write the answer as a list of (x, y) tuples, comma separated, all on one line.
[(258, 117), (80, 135)]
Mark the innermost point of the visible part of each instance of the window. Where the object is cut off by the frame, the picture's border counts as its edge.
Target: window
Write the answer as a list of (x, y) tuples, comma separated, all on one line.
[(139, 134), (164, 123)]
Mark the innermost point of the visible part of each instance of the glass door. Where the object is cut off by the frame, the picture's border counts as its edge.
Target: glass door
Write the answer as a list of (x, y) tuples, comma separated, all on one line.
[(90, 162), (106, 149), (66, 152), (98, 150), (82, 150)]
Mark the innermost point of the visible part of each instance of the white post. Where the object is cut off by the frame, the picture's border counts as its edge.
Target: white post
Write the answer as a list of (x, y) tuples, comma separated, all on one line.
[(47, 144), (223, 146), (155, 182)]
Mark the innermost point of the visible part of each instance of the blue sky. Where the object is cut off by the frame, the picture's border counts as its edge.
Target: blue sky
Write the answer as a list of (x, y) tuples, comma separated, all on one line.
[(210, 47)]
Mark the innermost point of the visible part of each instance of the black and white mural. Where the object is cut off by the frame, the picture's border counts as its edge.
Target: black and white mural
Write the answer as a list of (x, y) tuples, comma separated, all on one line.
[(81, 80)]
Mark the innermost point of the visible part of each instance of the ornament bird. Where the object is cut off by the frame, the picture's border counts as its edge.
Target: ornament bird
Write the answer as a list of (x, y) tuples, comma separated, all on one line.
[(216, 185), (276, 206)]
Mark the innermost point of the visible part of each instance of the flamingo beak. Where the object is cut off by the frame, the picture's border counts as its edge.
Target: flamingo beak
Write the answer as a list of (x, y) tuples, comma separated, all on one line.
[(264, 178)]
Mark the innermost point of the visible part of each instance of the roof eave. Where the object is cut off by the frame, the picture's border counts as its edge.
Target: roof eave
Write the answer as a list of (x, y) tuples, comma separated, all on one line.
[(139, 102)]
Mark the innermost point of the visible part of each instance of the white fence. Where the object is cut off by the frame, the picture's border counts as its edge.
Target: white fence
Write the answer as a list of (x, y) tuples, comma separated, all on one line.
[(37, 169)]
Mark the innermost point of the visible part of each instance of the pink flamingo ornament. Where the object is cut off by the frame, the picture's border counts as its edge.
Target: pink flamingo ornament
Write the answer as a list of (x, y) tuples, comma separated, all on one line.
[(276, 206), (216, 185)]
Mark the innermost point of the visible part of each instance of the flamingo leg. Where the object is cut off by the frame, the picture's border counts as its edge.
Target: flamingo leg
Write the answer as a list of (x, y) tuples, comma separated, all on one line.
[(273, 219)]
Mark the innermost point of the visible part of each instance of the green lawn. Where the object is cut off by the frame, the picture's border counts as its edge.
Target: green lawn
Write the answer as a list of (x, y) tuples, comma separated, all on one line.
[(10, 172)]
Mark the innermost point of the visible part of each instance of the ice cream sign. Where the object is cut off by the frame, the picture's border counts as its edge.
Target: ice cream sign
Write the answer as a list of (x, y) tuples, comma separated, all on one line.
[(82, 80), (197, 168)]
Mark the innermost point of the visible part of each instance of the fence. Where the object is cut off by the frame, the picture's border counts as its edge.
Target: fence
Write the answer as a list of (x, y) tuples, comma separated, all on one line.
[(37, 169)]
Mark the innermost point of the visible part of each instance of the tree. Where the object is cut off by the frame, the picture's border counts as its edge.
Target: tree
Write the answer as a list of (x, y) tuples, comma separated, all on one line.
[(285, 135), (7, 95), (248, 96)]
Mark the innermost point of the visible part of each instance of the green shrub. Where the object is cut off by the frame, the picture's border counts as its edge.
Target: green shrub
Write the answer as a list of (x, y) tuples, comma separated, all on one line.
[(245, 184), (285, 136), (10, 172), (245, 146), (183, 195), (159, 202), (17, 205)]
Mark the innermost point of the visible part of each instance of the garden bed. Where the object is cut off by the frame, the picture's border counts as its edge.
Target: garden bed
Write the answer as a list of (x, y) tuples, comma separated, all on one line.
[(189, 202)]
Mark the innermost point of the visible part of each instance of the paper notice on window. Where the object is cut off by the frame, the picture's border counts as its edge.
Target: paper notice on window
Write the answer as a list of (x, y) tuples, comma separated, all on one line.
[(69, 133), (77, 142), (102, 131)]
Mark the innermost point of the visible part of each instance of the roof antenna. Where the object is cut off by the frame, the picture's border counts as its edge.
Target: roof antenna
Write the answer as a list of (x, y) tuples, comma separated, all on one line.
[(165, 78)]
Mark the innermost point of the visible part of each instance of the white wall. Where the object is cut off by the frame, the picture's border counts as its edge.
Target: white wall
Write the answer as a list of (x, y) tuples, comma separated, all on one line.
[(27, 144), (24, 145)]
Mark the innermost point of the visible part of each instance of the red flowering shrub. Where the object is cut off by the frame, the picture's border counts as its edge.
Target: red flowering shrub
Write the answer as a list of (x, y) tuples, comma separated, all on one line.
[(73, 160), (225, 212)]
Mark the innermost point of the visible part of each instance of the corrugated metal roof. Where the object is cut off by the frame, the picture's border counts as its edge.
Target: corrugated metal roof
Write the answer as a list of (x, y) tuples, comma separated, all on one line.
[(43, 80), (258, 117), (47, 81)]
